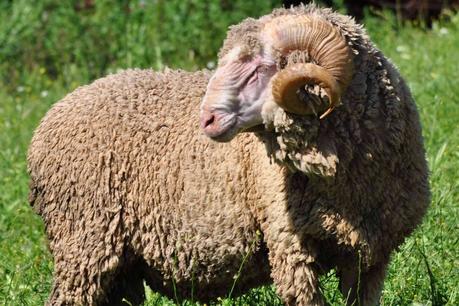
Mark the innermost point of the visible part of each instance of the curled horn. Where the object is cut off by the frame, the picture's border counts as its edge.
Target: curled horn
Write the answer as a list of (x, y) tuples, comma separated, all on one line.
[(331, 60)]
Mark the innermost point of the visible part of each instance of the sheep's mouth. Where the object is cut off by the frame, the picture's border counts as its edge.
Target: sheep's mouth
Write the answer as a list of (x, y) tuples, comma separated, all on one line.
[(224, 130)]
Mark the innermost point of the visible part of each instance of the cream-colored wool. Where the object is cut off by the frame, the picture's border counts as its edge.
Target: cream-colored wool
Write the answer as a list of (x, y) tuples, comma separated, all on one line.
[(130, 189)]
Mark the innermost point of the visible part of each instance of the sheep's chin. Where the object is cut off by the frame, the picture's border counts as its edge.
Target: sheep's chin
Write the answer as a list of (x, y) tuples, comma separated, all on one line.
[(235, 129), (226, 136)]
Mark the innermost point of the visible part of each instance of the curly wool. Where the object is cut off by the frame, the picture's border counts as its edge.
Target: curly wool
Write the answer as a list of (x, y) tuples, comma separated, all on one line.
[(130, 190)]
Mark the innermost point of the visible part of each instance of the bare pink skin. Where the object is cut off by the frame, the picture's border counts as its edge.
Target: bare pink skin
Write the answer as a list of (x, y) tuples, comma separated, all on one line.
[(235, 96)]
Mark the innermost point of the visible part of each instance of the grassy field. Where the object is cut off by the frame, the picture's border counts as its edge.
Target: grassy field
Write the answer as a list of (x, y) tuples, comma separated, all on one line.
[(47, 49)]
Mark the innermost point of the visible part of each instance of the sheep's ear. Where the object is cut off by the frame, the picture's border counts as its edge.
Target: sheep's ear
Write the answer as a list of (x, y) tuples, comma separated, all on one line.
[(319, 159)]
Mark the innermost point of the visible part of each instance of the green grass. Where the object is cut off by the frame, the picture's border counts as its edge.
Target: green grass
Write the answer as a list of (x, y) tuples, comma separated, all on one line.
[(47, 49)]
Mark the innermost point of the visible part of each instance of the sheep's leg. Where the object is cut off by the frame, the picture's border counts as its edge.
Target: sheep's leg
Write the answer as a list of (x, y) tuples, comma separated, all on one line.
[(86, 260), (128, 288), (113, 287), (295, 275), (77, 282), (362, 288)]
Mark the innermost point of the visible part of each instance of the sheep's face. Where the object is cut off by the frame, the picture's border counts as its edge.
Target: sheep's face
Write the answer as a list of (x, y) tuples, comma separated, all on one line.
[(236, 94), (255, 77)]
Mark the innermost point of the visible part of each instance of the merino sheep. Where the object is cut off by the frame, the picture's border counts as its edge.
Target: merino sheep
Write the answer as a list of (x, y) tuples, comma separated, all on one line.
[(130, 190)]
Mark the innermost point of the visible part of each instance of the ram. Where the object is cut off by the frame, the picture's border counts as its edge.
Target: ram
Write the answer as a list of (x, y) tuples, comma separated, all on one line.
[(130, 189)]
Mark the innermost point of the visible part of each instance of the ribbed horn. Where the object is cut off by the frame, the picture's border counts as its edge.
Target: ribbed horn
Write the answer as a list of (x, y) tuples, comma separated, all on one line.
[(287, 82), (331, 60)]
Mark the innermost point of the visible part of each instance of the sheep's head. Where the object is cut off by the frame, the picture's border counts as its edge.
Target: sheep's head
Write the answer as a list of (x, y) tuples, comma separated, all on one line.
[(255, 74)]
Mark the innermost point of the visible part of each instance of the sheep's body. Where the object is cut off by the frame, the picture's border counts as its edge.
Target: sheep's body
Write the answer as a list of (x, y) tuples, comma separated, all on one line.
[(122, 178), (130, 189)]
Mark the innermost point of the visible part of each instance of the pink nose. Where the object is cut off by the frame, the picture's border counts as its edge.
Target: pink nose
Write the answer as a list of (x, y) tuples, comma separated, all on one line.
[(211, 123), (207, 119)]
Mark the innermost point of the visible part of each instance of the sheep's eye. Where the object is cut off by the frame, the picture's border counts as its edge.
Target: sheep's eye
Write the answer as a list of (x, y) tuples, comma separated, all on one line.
[(261, 69)]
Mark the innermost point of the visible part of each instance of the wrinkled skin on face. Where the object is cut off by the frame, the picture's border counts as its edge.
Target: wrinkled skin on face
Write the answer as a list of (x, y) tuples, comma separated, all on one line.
[(236, 94)]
